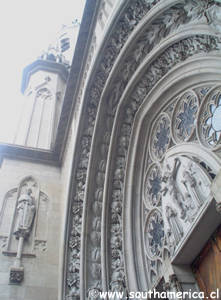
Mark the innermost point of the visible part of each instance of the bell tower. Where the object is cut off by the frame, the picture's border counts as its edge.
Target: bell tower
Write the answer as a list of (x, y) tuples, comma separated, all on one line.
[(43, 85)]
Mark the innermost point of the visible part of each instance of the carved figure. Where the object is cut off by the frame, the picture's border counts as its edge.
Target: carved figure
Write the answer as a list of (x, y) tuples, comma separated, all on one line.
[(169, 178), (118, 284), (26, 213), (191, 184), (174, 223)]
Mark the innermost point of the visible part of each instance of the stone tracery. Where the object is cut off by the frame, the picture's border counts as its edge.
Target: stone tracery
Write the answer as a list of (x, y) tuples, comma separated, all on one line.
[(157, 70), (182, 183)]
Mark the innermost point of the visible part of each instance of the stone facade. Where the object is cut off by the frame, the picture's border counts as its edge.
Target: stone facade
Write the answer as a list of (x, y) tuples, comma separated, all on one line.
[(128, 196)]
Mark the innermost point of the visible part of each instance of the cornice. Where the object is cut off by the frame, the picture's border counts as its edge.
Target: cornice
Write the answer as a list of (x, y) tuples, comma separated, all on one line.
[(42, 65), (54, 156), (28, 153)]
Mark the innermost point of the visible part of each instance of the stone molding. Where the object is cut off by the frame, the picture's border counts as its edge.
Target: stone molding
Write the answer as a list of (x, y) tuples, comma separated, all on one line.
[(165, 59)]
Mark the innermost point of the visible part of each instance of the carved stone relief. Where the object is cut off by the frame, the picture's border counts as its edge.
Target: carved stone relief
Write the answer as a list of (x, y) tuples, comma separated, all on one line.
[(3, 241), (161, 137), (178, 184), (154, 234), (184, 117), (172, 56), (18, 226), (209, 127), (44, 94), (25, 212)]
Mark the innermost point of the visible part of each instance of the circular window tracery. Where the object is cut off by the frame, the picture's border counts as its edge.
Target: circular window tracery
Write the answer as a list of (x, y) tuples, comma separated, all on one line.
[(184, 117), (152, 188), (160, 137), (175, 186), (154, 234), (209, 122)]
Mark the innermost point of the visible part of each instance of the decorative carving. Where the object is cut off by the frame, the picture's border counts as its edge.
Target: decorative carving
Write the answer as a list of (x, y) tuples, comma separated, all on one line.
[(73, 284), (154, 234), (153, 186), (209, 125), (173, 284), (195, 45), (3, 241), (26, 212), (161, 137), (44, 94), (210, 11), (184, 117), (175, 226), (171, 186), (24, 201), (16, 275), (170, 58), (118, 283), (191, 185), (40, 245)]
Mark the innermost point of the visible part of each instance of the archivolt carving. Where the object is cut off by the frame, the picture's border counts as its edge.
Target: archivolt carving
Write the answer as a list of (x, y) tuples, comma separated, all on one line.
[(173, 55), (135, 105)]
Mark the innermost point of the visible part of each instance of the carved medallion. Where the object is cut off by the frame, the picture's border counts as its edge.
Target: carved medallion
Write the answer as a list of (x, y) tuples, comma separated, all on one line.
[(209, 122), (160, 137), (154, 234), (184, 117), (152, 186)]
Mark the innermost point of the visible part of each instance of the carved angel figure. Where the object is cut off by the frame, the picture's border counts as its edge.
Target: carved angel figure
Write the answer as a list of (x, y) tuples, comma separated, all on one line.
[(25, 214)]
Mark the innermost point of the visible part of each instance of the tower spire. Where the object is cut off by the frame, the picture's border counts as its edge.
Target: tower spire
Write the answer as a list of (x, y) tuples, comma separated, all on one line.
[(43, 84)]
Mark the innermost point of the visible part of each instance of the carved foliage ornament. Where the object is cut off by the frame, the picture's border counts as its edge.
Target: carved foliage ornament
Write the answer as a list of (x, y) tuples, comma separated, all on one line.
[(184, 117), (153, 186), (193, 45), (154, 234), (116, 43), (161, 137)]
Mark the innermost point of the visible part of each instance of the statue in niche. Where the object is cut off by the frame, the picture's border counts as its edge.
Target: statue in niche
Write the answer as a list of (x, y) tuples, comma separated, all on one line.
[(175, 226), (25, 214), (169, 178)]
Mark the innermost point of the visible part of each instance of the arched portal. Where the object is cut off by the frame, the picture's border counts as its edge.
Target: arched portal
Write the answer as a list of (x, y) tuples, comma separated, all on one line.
[(147, 152), (173, 159)]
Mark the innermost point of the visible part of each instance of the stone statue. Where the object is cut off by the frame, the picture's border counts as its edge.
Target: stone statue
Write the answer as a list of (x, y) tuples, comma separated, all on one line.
[(174, 223), (191, 184), (25, 214), (169, 178)]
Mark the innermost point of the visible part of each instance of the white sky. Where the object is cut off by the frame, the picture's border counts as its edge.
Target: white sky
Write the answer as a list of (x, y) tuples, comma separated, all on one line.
[(26, 28)]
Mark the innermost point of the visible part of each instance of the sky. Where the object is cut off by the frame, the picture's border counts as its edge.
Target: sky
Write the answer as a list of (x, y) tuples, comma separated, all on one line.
[(26, 29)]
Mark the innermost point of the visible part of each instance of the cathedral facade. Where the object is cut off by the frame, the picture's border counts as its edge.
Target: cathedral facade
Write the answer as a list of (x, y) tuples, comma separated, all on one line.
[(113, 182)]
